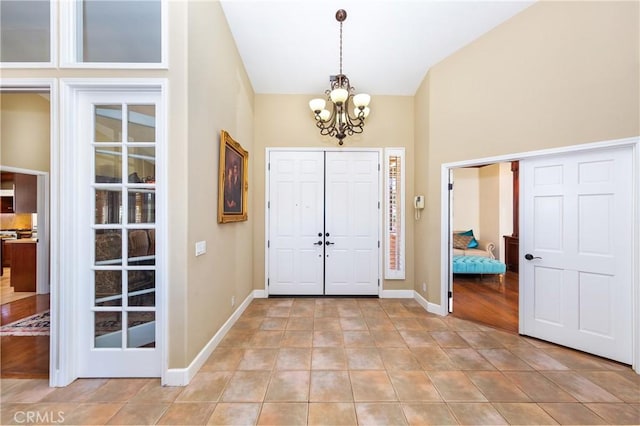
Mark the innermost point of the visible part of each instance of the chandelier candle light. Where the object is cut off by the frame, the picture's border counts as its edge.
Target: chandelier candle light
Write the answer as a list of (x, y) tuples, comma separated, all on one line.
[(336, 119)]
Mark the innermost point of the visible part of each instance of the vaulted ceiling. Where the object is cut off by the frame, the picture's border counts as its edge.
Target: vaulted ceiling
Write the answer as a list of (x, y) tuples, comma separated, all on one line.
[(292, 46)]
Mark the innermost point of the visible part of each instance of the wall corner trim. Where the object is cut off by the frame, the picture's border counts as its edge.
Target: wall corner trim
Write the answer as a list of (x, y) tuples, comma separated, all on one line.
[(183, 376), (428, 306)]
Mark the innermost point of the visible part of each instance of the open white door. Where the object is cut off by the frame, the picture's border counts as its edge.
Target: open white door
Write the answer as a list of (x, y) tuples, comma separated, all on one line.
[(576, 251)]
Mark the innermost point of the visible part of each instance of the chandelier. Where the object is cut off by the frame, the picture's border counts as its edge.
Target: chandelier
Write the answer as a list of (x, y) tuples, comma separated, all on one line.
[(339, 118)]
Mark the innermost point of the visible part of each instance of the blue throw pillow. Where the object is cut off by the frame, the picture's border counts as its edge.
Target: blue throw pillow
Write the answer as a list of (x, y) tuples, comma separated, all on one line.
[(473, 243)]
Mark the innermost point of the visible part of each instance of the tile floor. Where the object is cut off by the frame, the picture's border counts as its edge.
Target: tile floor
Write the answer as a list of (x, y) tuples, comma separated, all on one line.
[(352, 361)]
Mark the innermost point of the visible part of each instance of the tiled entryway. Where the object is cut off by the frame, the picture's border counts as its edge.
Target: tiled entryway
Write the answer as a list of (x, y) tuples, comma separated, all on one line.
[(345, 361)]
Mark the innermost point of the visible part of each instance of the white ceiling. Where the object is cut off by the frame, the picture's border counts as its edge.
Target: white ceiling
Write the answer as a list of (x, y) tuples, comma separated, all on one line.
[(292, 46)]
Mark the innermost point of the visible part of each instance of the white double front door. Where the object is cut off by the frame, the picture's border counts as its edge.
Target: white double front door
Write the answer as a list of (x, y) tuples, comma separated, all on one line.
[(577, 247), (323, 222)]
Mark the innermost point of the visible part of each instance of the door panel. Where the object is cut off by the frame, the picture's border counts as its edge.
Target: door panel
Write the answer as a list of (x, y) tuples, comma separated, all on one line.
[(352, 223), (323, 223), (119, 321), (577, 216), (296, 217)]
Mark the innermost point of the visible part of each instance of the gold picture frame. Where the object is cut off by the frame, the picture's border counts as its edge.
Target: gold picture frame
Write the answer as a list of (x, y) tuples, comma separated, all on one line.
[(232, 180)]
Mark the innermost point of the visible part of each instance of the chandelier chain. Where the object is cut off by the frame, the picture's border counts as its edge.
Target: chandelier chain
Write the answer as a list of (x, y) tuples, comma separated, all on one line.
[(340, 47)]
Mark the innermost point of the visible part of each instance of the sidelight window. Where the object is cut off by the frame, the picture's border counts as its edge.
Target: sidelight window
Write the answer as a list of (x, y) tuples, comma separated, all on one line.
[(394, 169)]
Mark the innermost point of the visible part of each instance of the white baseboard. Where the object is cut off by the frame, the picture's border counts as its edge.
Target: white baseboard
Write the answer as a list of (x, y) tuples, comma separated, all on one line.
[(396, 294), (428, 306), (260, 294), (183, 376)]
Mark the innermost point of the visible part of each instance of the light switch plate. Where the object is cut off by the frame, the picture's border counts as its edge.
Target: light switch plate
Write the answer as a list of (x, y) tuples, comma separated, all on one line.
[(201, 248)]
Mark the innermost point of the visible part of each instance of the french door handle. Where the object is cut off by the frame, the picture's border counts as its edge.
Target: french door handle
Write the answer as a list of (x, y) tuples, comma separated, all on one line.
[(319, 243), (329, 243), (529, 256)]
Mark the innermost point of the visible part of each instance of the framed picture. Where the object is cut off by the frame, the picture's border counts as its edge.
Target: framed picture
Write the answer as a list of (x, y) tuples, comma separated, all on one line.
[(233, 185)]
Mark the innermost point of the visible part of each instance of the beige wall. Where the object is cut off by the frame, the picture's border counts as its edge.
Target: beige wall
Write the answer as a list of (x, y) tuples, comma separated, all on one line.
[(220, 97), (25, 131), (489, 186), (286, 121), (557, 74), (466, 200), (505, 212)]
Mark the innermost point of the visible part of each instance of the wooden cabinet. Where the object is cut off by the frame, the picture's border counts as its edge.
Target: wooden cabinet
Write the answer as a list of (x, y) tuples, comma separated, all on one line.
[(25, 193), (6, 204), (23, 264), (6, 254), (25, 197), (511, 253)]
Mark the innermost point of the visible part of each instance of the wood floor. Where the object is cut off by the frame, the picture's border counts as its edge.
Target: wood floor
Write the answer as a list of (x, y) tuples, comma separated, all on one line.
[(484, 301), (25, 357)]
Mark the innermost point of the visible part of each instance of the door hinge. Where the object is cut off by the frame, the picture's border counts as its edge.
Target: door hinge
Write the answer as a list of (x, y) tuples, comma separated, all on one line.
[(450, 186), (378, 205), (450, 295), (268, 243), (378, 166), (269, 166), (268, 282), (378, 243), (268, 204), (378, 282)]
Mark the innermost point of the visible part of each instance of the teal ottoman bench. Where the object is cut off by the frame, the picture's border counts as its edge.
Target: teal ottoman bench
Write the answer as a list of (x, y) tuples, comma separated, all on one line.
[(478, 265)]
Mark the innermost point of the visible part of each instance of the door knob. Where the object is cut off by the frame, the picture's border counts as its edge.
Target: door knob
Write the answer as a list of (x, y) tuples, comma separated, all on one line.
[(329, 243), (319, 234), (326, 235), (319, 243), (529, 256)]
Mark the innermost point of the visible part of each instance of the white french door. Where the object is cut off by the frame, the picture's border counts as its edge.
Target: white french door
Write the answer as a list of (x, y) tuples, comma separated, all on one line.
[(576, 247), (117, 145), (323, 223), (296, 222), (352, 223)]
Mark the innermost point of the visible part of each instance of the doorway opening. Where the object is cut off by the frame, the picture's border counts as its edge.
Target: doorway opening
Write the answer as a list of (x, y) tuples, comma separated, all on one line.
[(484, 207), (24, 228)]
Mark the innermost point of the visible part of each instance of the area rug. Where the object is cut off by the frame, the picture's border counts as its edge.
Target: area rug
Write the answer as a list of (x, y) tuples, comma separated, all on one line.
[(35, 325)]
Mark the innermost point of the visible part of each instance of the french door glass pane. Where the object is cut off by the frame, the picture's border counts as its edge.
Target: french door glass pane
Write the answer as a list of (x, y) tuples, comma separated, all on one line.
[(108, 121), (142, 288), (142, 206), (120, 31), (141, 248), (108, 288), (108, 247), (142, 123), (25, 31), (108, 206), (108, 329), (141, 332), (142, 165), (108, 164)]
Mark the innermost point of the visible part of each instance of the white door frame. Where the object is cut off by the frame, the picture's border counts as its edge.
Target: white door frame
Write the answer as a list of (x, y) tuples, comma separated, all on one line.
[(70, 90), (266, 207), (47, 254), (446, 274)]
